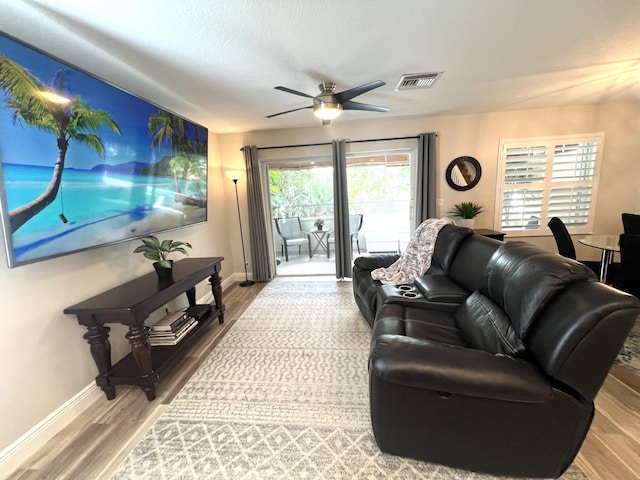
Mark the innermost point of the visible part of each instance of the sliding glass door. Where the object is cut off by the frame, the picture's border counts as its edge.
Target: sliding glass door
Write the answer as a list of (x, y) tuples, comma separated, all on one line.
[(301, 193), (380, 191)]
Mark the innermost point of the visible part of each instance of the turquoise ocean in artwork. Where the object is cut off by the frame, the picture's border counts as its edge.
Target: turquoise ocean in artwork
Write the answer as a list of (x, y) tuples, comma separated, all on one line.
[(92, 202)]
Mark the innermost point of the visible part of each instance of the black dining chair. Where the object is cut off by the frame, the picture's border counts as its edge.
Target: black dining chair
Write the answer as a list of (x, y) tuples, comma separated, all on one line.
[(631, 223), (630, 263), (566, 248)]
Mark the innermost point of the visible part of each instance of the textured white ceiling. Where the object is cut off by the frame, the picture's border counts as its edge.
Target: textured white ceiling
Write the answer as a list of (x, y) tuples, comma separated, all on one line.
[(216, 61)]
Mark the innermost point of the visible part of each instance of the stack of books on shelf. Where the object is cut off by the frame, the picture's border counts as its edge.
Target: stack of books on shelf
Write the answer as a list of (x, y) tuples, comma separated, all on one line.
[(171, 329)]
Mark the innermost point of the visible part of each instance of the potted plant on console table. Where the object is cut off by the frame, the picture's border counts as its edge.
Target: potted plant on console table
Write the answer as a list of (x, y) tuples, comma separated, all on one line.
[(466, 212), (154, 249), (319, 223)]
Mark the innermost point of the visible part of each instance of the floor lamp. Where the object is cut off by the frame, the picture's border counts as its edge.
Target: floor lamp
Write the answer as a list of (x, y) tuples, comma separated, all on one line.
[(234, 176)]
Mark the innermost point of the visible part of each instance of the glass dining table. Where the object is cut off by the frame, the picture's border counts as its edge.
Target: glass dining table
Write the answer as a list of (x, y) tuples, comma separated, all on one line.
[(609, 244)]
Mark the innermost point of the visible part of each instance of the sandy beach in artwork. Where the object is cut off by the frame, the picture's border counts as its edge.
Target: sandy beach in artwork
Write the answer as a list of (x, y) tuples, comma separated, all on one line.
[(73, 236)]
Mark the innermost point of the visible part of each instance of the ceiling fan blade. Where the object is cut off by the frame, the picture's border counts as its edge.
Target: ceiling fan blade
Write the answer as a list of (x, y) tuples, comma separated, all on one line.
[(363, 106), (295, 92), (289, 111), (354, 92)]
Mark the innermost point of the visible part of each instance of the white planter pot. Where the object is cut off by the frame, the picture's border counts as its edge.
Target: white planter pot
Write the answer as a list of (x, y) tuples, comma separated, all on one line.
[(466, 222)]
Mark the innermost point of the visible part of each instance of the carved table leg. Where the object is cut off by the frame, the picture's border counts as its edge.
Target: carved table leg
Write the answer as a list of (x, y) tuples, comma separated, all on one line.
[(191, 296), (216, 289), (138, 337), (97, 336)]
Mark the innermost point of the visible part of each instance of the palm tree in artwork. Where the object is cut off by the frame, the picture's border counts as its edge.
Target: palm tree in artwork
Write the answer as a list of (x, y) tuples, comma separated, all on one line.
[(180, 168), (198, 152), (168, 128), (198, 171), (188, 154), (43, 107)]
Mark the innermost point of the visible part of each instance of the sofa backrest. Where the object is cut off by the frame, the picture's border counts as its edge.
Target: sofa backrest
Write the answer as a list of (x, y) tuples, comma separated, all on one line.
[(578, 337), (449, 239), (470, 260), (572, 325), (523, 278)]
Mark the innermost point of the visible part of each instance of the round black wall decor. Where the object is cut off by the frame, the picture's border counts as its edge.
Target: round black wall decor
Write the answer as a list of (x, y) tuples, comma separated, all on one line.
[(463, 173)]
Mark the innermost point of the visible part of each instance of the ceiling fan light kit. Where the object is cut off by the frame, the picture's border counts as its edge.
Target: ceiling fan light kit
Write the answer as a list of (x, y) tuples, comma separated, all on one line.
[(327, 111), (328, 105), (325, 105)]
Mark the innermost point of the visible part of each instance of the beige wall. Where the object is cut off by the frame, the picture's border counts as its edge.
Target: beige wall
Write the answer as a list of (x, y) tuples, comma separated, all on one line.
[(620, 178), (44, 359), (479, 136)]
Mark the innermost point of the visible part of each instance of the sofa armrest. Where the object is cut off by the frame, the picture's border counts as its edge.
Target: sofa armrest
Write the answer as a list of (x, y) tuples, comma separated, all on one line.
[(441, 289), (376, 261), (424, 364)]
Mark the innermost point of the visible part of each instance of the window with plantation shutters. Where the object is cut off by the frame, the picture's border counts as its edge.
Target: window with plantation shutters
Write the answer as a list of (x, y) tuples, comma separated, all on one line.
[(541, 178)]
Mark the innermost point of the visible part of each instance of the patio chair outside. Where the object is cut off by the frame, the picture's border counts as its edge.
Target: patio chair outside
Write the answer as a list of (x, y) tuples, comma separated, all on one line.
[(290, 230), (355, 225)]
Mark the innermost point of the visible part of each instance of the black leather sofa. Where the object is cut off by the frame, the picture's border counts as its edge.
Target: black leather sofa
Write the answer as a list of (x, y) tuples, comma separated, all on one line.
[(490, 361)]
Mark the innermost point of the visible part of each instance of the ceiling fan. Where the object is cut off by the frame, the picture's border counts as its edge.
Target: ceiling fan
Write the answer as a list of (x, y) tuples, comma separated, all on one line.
[(328, 104)]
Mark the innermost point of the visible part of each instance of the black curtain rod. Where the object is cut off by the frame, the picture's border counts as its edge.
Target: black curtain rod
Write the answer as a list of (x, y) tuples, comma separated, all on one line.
[(384, 139), (292, 146), (329, 143)]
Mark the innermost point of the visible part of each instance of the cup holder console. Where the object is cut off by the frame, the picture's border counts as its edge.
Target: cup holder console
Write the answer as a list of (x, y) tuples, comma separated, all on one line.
[(399, 292), (410, 295), (408, 291)]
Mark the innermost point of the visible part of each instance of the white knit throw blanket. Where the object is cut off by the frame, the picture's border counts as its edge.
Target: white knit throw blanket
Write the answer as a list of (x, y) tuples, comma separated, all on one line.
[(416, 259)]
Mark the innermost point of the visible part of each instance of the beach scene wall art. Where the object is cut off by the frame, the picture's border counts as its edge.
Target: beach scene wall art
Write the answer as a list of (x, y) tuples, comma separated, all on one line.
[(86, 164)]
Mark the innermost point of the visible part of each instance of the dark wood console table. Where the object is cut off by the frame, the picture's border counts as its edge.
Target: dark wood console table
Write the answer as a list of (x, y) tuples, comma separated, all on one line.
[(131, 304), (485, 232)]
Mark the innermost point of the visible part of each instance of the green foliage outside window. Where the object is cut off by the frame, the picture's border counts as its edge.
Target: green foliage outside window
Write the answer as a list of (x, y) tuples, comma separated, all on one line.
[(308, 192)]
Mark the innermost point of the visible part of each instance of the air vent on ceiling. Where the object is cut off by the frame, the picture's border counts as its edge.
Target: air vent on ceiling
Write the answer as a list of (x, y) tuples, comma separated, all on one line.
[(417, 80)]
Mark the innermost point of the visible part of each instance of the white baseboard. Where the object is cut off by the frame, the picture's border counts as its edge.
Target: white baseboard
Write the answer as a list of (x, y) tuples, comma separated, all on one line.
[(235, 278), (230, 280), (226, 283), (16, 454)]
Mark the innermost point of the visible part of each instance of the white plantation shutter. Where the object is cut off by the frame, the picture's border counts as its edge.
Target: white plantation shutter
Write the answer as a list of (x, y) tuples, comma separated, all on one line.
[(548, 177), (570, 204), (524, 174)]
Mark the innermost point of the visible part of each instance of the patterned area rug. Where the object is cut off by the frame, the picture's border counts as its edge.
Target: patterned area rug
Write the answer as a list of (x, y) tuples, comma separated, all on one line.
[(283, 396), (629, 356)]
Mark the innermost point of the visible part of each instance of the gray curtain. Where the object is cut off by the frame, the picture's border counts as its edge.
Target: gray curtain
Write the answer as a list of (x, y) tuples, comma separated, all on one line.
[(341, 209), (426, 187), (260, 263)]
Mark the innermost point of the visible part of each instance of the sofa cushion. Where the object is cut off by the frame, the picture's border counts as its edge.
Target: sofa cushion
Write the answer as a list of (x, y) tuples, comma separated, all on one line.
[(433, 325), (507, 280), (485, 326)]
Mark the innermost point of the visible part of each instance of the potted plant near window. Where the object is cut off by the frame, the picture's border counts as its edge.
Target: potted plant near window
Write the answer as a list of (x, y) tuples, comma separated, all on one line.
[(154, 249), (319, 223), (466, 212)]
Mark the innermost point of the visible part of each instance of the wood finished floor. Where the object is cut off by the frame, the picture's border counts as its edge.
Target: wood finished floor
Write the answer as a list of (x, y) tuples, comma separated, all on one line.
[(96, 442)]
